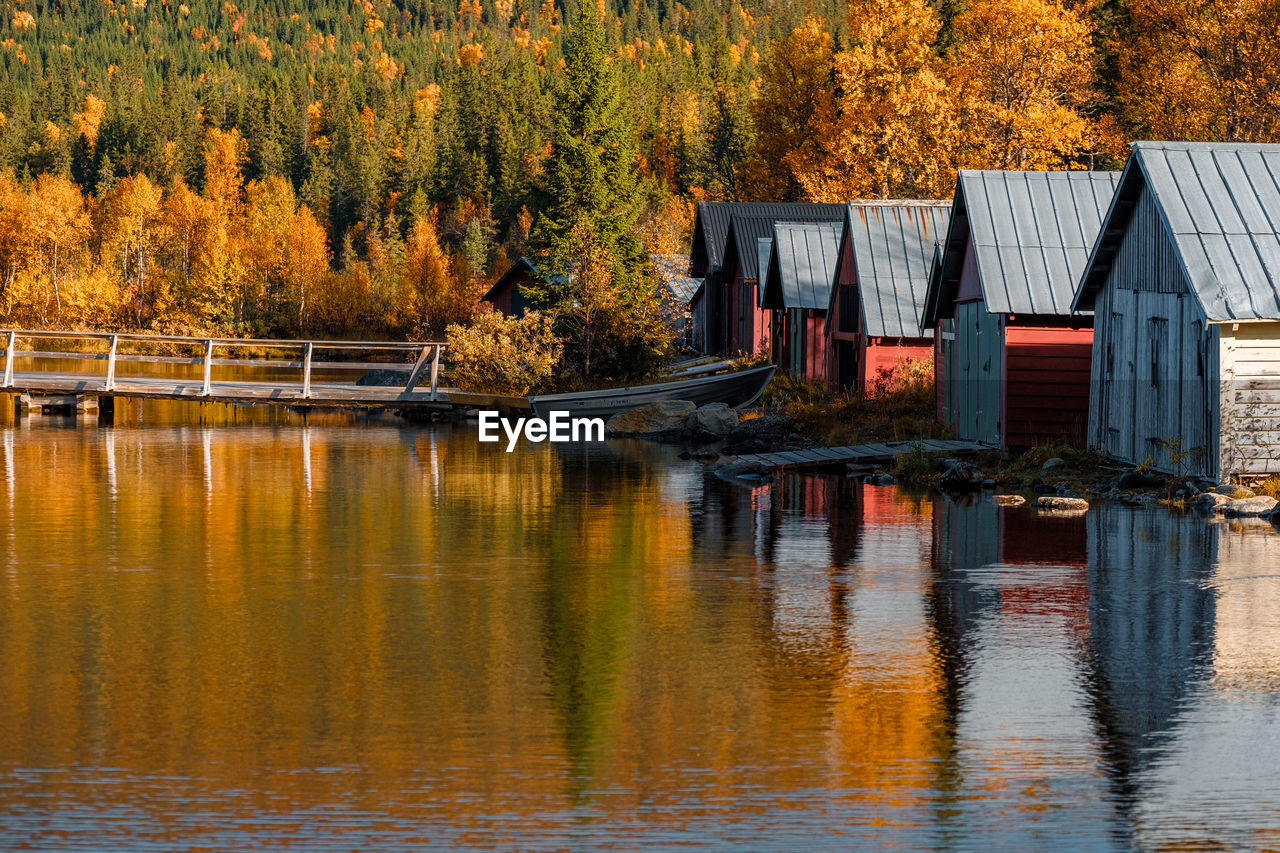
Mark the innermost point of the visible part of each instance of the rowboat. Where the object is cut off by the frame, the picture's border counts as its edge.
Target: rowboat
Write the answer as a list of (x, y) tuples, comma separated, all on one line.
[(734, 389)]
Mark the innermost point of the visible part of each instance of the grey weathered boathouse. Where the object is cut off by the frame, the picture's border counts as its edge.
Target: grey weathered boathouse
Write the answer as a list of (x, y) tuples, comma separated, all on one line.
[(1184, 283)]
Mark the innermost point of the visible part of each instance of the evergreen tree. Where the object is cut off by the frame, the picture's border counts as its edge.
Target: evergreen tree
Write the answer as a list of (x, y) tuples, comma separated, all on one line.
[(591, 185)]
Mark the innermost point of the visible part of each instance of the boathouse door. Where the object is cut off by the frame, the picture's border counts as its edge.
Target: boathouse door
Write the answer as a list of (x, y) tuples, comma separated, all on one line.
[(978, 361)]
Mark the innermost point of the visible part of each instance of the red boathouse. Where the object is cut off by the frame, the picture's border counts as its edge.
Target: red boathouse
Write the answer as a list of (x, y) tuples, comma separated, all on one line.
[(1011, 360)]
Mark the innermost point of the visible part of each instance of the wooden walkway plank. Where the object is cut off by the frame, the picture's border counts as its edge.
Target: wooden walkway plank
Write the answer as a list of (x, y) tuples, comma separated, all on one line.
[(857, 453)]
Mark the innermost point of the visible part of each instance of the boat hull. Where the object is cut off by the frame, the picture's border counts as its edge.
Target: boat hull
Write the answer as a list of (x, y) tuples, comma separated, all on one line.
[(733, 389)]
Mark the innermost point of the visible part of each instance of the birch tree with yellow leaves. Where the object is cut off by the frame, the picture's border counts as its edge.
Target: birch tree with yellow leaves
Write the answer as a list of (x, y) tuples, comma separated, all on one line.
[(888, 134), (1202, 71), (1025, 73)]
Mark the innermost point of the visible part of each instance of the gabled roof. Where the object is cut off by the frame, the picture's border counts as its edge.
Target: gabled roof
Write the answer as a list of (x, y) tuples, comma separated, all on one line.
[(746, 231), (523, 265), (802, 265), (893, 245), (1031, 234), (1220, 204), (712, 219)]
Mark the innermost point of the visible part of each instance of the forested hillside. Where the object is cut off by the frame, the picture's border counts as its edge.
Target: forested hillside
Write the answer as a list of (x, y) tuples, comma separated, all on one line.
[(288, 167)]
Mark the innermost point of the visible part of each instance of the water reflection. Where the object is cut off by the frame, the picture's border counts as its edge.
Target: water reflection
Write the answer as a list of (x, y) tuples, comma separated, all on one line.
[(337, 633)]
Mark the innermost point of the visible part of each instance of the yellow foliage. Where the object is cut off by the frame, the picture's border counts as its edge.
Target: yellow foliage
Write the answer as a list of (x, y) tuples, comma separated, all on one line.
[(503, 355), (885, 132), (1025, 72), (470, 55), (796, 105), (224, 154), (1202, 71), (88, 120)]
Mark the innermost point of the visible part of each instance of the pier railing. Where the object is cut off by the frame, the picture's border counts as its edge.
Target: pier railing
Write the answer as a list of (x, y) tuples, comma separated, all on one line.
[(427, 355)]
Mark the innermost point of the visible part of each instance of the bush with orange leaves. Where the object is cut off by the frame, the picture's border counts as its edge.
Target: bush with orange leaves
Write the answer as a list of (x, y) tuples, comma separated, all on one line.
[(504, 355), (906, 376)]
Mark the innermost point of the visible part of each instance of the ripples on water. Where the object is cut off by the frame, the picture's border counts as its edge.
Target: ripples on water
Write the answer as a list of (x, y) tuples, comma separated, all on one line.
[(334, 634)]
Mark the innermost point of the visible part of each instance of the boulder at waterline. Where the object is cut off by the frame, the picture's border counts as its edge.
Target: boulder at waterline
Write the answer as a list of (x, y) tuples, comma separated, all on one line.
[(1008, 500), (1061, 503), (662, 416), (961, 477), (1248, 507), (1209, 501), (713, 418)]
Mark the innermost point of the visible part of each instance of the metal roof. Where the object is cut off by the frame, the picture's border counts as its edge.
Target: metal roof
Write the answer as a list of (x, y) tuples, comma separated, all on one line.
[(1220, 203), (802, 265), (1031, 233), (712, 219), (673, 271), (893, 246), (745, 233)]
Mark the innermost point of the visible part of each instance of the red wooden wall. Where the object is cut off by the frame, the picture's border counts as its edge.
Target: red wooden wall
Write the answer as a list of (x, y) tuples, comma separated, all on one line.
[(1046, 385)]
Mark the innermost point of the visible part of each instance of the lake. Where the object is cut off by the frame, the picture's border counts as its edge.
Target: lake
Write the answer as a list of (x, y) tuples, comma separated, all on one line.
[(240, 628)]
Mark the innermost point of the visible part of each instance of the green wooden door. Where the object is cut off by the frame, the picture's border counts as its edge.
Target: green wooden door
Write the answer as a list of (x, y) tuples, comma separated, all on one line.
[(978, 354)]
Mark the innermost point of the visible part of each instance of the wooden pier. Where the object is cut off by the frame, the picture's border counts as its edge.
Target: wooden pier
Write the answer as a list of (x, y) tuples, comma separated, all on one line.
[(418, 362), (861, 453)]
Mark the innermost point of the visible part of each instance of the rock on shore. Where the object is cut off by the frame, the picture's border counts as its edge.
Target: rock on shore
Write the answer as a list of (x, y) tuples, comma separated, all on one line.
[(714, 419), (662, 416), (1248, 507), (1060, 503)]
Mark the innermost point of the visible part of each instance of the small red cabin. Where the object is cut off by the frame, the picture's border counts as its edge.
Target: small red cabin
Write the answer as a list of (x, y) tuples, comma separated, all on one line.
[(797, 290), (1012, 361), (505, 294), (873, 322)]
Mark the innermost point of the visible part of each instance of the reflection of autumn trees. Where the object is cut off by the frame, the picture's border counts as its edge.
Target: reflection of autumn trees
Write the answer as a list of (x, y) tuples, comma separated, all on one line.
[(231, 608)]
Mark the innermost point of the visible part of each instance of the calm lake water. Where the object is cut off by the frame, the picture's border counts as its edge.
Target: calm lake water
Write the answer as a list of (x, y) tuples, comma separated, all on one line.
[(226, 628)]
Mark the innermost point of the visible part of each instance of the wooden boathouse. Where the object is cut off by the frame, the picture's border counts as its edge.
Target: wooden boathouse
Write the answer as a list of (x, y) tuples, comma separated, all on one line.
[(504, 295), (801, 270), (728, 271), (882, 274), (1184, 284), (1011, 359)]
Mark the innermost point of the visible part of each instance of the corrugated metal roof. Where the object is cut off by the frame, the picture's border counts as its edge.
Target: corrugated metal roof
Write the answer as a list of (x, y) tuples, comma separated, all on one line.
[(745, 233), (893, 246), (712, 219), (1220, 202), (1031, 232), (802, 265), (673, 270)]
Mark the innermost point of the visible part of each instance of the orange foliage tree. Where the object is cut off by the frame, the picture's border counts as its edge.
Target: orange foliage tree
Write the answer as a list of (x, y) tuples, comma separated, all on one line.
[(893, 115), (795, 103), (1027, 79), (1206, 70)]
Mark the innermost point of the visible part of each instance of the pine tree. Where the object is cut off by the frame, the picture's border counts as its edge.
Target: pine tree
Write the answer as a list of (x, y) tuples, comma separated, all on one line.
[(591, 182)]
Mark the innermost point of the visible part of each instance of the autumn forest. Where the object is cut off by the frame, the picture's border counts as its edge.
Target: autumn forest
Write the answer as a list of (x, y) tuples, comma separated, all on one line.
[(273, 167)]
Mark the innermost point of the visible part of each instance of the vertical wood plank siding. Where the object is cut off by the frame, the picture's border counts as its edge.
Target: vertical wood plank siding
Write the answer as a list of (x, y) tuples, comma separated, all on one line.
[(977, 364), (1155, 361)]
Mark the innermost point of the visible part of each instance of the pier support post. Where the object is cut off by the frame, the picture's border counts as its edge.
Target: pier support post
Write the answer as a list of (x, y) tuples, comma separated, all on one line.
[(416, 374), (208, 368), (306, 369), (106, 411), (435, 373), (111, 364), (8, 360)]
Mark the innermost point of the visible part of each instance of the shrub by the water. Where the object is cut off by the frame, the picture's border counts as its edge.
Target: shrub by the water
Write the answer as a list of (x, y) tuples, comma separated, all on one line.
[(504, 355)]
